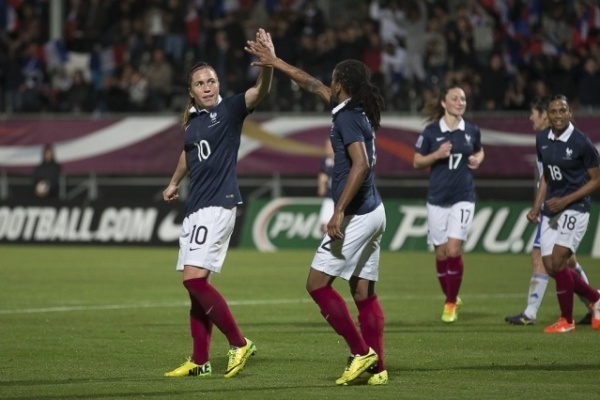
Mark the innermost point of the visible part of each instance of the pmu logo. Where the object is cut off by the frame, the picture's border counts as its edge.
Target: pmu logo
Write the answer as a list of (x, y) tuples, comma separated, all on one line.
[(287, 222)]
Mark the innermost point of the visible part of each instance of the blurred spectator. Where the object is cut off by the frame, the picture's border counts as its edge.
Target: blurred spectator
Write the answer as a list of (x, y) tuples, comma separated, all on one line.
[(308, 60), (138, 91), (78, 97), (284, 43), (174, 15), (237, 40), (494, 82), (373, 58), (460, 44), (442, 42), (393, 63), (46, 175), (483, 31), (563, 77), (415, 26), (13, 81), (351, 43), (160, 79), (154, 23), (516, 95), (390, 18), (33, 80), (310, 20), (435, 53), (588, 88)]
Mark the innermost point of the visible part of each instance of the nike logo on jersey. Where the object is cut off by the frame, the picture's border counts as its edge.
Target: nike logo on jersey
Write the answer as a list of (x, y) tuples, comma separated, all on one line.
[(439, 139), (544, 147), (195, 248)]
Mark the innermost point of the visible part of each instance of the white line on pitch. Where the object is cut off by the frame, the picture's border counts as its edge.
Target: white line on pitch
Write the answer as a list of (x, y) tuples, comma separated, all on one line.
[(233, 303)]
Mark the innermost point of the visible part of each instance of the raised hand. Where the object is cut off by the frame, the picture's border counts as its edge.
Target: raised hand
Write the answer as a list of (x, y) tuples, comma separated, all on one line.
[(262, 48)]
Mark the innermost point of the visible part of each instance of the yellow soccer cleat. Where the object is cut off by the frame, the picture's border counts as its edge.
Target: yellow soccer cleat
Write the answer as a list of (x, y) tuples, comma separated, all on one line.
[(449, 314), (189, 368), (356, 366), (380, 378), (238, 356), (459, 303)]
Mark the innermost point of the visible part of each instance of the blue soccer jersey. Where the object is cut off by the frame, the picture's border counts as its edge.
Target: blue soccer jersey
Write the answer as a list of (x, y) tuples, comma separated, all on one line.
[(212, 141), (450, 179), (349, 126), (565, 161)]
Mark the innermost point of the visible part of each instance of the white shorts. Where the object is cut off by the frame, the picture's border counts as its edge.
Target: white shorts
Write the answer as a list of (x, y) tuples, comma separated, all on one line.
[(452, 221), (564, 229), (357, 254), (326, 210), (204, 238)]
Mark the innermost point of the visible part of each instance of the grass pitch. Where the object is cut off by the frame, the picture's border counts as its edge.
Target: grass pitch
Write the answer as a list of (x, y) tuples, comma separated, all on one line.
[(107, 322)]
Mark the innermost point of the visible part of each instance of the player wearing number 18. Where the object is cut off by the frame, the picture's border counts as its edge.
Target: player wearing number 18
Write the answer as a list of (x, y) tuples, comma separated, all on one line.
[(213, 127), (571, 173), (451, 148)]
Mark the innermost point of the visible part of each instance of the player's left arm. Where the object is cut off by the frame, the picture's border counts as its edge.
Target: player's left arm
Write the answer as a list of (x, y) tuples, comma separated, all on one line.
[(557, 204), (360, 167), (261, 89)]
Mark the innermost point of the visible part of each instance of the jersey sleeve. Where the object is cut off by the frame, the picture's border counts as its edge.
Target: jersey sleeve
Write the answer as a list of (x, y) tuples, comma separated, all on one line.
[(237, 106), (591, 159), (477, 146), (423, 146), (351, 127)]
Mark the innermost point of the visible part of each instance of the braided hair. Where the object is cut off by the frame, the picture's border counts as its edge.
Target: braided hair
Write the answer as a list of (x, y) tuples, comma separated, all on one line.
[(355, 78), (191, 102)]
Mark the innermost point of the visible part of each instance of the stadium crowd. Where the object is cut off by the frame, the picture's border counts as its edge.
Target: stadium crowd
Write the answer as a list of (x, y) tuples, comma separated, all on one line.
[(133, 55)]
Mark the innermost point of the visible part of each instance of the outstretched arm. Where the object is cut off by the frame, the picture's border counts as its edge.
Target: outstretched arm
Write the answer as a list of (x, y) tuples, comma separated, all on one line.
[(256, 93), (260, 49)]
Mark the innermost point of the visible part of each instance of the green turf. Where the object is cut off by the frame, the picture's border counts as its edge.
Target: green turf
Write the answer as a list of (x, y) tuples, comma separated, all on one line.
[(106, 323)]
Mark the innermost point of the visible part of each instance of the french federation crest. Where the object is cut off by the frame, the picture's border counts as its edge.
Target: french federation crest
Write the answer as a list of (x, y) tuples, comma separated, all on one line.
[(569, 154), (213, 117)]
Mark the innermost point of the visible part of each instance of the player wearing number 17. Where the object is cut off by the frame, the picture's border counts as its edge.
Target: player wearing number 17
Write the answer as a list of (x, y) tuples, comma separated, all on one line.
[(451, 147), (571, 172), (213, 127)]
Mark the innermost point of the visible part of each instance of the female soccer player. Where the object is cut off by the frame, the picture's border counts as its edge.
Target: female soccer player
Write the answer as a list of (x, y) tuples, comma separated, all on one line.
[(451, 147), (213, 127), (539, 277), (571, 171), (350, 248)]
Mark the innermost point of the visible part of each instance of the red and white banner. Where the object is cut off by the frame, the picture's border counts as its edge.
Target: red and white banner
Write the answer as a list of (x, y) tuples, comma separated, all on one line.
[(290, 146)]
